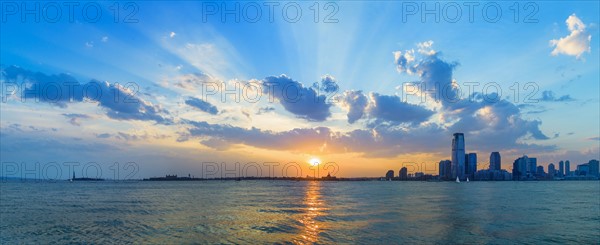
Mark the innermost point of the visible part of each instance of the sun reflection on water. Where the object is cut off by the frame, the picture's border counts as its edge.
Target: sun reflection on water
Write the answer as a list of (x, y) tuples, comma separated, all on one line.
[(315, 208)]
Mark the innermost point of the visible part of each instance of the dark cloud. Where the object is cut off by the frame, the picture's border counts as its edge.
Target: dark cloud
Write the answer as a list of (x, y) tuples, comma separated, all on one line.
[(265, 110), (304, 102), (36, 86), (103, 136), (120, 103), (380, 141), (223, 135), (202, 105), (193, 81), (75, 118), (390, 108), (548, 96), (123, 104)]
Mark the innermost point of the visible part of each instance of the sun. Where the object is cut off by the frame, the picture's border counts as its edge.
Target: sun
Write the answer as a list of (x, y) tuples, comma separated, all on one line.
[(314, 161)]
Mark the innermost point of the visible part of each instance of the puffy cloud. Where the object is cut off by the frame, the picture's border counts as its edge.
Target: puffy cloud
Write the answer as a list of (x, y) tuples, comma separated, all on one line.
[(304, 102), (120, 103), (495, 124), (202, 105), (328, 84), (574, 44), (390, 108), (395, 127), (435, 73), (404, 60), (548, 96), (356, 102)]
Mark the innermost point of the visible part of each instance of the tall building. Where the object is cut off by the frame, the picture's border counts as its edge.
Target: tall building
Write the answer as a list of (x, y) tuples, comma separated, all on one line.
[(495, 161), (594, 168), (458, 156), (551, 170), (567, 168), (532, 166), (561, 169), (389, 175), (471, 165), (522, 165), (403, 173), (445, 169), (540, 171), (583, 169)]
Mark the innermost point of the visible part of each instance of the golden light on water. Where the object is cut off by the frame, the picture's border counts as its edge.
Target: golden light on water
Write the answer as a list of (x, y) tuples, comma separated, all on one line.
[(314, 208)]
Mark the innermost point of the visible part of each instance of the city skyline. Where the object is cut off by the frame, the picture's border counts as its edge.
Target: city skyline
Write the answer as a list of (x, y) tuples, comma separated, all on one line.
[(172, 93)]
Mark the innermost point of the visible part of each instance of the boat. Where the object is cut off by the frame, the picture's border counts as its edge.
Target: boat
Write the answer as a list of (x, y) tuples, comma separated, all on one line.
[(467, 179), (457, 180)]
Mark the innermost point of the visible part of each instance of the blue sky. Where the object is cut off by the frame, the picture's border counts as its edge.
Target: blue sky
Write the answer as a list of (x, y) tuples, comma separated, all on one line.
[(174, 49)]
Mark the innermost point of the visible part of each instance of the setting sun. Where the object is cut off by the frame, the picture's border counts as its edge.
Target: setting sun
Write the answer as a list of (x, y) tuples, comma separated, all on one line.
[(314, 161)]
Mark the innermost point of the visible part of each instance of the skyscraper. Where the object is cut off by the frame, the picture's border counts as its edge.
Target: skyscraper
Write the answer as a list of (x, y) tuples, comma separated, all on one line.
[(567, 168), (540, 171), (551, 170), (458, 156), (445, 171), (403, 173), (594, 167), (389, 175), (495, 161), (521, 167), (471, 165), (561, 169), (532, 165)]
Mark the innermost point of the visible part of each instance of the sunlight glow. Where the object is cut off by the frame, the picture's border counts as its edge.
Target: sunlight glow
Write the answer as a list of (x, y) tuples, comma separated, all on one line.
[(314, 161)]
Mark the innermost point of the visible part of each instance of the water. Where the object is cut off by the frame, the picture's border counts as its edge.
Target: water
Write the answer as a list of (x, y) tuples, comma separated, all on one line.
[(259, 212)]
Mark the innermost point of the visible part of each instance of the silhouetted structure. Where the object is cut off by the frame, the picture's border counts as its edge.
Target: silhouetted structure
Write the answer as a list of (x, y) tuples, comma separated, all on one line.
[(85, 178), (445, 170), (495, 161), (524, 168), (561, 169), (403, 173), (471, 165), (551, 170), (458, 156), (389, 175), (540, 171), (567, 168), (594, 168)]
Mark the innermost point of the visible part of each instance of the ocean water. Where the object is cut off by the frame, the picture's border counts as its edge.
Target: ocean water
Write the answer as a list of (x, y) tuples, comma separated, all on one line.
[(303, 212)]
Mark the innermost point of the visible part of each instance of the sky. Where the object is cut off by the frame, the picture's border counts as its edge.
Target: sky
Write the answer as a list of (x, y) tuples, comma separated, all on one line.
[(140, 89)]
